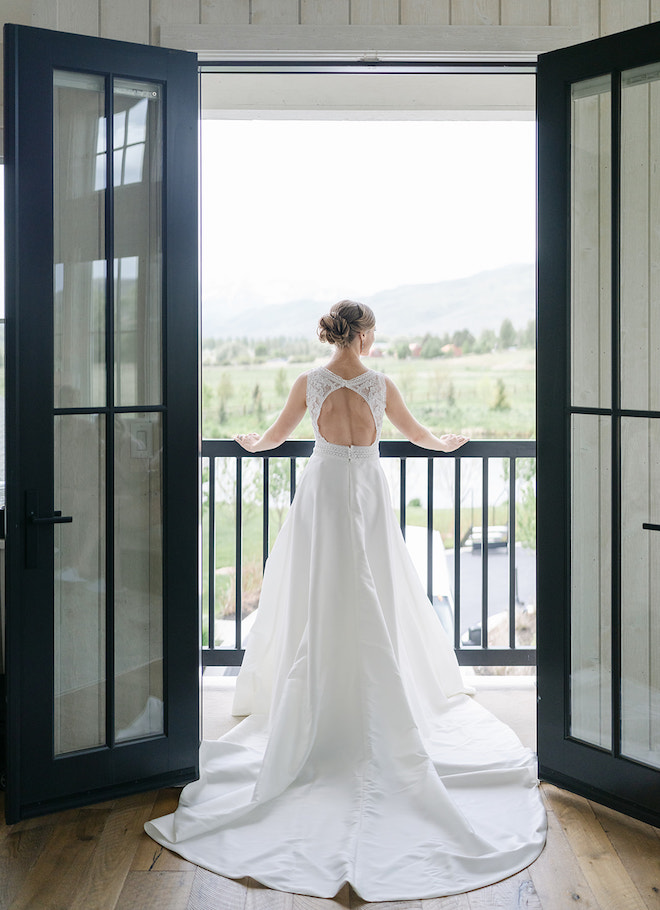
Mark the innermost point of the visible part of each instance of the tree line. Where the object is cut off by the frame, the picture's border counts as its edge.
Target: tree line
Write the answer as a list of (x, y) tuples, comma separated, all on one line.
[(465, 342), (225, 351)]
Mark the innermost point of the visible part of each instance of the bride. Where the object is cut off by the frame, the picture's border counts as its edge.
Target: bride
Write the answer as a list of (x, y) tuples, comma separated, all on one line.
[(363, 758)]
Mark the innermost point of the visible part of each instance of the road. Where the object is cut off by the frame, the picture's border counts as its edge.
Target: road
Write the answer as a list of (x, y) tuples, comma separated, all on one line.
[(498, 581), (471, 563)]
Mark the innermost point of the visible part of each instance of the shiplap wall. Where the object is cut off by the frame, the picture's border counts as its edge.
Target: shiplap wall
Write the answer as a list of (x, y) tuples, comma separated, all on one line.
[(141, 20)]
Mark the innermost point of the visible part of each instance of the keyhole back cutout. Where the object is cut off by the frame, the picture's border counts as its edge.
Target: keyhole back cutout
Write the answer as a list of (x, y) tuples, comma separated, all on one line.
[(346, 419)]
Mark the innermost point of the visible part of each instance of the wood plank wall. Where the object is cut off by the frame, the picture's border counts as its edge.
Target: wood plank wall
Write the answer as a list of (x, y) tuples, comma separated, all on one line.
[(141, 20)]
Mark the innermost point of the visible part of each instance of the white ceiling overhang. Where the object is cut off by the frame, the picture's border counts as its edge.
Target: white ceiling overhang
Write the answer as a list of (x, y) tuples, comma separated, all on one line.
[(402, 91), (370, 96)]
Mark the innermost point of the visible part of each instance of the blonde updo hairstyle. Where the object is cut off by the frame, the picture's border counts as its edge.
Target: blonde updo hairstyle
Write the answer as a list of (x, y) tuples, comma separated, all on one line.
[(344, 322)]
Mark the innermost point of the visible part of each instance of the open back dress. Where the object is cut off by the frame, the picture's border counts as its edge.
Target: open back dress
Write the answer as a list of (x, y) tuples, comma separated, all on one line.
[(364, 758)]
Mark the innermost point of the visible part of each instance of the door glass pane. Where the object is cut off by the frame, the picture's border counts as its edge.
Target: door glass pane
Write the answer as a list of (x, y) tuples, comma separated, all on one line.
[(79, 239), (640, 590), (3, 464), (80, 614), (591, 243), (591, 585), (640, 238), (2, 340), (138, 187), (138, 576)]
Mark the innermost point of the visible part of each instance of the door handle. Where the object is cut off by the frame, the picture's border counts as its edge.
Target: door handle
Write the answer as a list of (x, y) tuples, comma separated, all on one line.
[(650, 527), (55, 519), (33, 521)]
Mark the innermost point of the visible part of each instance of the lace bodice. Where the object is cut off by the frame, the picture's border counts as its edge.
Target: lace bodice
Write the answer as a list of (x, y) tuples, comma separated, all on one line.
[(370, 385)]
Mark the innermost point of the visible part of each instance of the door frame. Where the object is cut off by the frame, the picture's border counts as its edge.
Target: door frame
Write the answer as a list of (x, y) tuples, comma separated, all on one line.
[(283, 63), (171, 757), (591, 771)]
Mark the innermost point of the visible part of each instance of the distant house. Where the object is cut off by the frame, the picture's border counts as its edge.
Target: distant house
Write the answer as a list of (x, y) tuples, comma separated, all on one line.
[(451, 350), (415, 348)]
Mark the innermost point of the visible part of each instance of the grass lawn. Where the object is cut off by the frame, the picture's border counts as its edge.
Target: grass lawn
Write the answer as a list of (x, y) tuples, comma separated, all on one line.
[(452, 394)]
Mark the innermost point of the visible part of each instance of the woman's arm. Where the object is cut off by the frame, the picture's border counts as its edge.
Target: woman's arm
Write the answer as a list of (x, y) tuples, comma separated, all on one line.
[(291, 415), (404, 421)]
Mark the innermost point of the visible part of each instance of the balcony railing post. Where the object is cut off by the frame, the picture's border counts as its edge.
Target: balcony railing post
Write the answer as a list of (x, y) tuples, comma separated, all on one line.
[(402, 496), (457, 552), (429, 531), (292, 479), (266, 511), (512, 552), (239, 549), (211, 555), (484, 554)]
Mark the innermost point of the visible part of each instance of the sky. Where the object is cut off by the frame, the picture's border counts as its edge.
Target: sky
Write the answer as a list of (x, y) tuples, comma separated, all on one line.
[(331, 209), (324, 210)]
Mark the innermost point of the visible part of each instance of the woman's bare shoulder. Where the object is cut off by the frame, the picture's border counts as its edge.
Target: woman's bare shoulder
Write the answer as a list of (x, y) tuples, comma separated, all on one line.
[(390, 384), (301, 378)]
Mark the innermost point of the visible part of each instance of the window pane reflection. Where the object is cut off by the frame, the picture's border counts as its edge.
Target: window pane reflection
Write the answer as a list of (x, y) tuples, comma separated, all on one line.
[(640, 589), (591, 580), (591, 128), (79, 583), (640, 244), (138, 243), (79, 240), (138, 576)]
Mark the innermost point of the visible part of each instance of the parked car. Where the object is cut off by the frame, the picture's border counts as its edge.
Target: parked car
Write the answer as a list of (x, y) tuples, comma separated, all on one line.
[(498, 536)]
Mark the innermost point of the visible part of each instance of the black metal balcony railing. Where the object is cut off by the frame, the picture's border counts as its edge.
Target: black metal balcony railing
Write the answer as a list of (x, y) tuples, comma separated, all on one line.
[(479, 655)]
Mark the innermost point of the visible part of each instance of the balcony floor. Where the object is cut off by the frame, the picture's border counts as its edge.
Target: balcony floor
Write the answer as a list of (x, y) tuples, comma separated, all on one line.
[(99, 858), (511, 698)]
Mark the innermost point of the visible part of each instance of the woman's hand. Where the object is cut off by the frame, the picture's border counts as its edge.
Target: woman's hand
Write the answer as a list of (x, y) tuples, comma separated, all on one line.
[(249, 441), (452, 441)]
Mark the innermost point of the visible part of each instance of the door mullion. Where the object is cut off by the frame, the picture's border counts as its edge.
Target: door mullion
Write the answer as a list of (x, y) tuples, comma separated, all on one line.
[(616, 413), (110, 418)]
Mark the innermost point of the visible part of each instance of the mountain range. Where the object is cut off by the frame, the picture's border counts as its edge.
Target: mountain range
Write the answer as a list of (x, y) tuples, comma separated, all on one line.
[(476, 303)]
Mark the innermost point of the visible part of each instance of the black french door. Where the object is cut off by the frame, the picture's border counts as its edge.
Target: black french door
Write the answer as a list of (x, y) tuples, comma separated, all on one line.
[(599, 420), (102, 423)]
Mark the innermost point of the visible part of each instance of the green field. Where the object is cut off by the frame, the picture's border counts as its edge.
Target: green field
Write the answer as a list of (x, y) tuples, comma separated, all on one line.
[(485, 396)]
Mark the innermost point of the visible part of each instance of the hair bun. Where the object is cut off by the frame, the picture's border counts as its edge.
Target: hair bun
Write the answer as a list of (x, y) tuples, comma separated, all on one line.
[(342, 328), (345, 320), (334, 329)]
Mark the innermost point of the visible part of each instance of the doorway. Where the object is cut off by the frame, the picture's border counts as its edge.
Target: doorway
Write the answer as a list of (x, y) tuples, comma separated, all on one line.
[(272, 130)]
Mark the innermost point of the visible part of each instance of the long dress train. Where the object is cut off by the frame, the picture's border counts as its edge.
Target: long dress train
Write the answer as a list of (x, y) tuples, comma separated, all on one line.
[(363, 759)]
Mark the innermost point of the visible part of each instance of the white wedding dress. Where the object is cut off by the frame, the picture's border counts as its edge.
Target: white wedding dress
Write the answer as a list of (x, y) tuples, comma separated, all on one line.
[(364, 758)]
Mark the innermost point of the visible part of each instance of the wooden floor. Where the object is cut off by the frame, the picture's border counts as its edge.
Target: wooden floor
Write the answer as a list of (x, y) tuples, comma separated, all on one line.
[(98, 858)]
